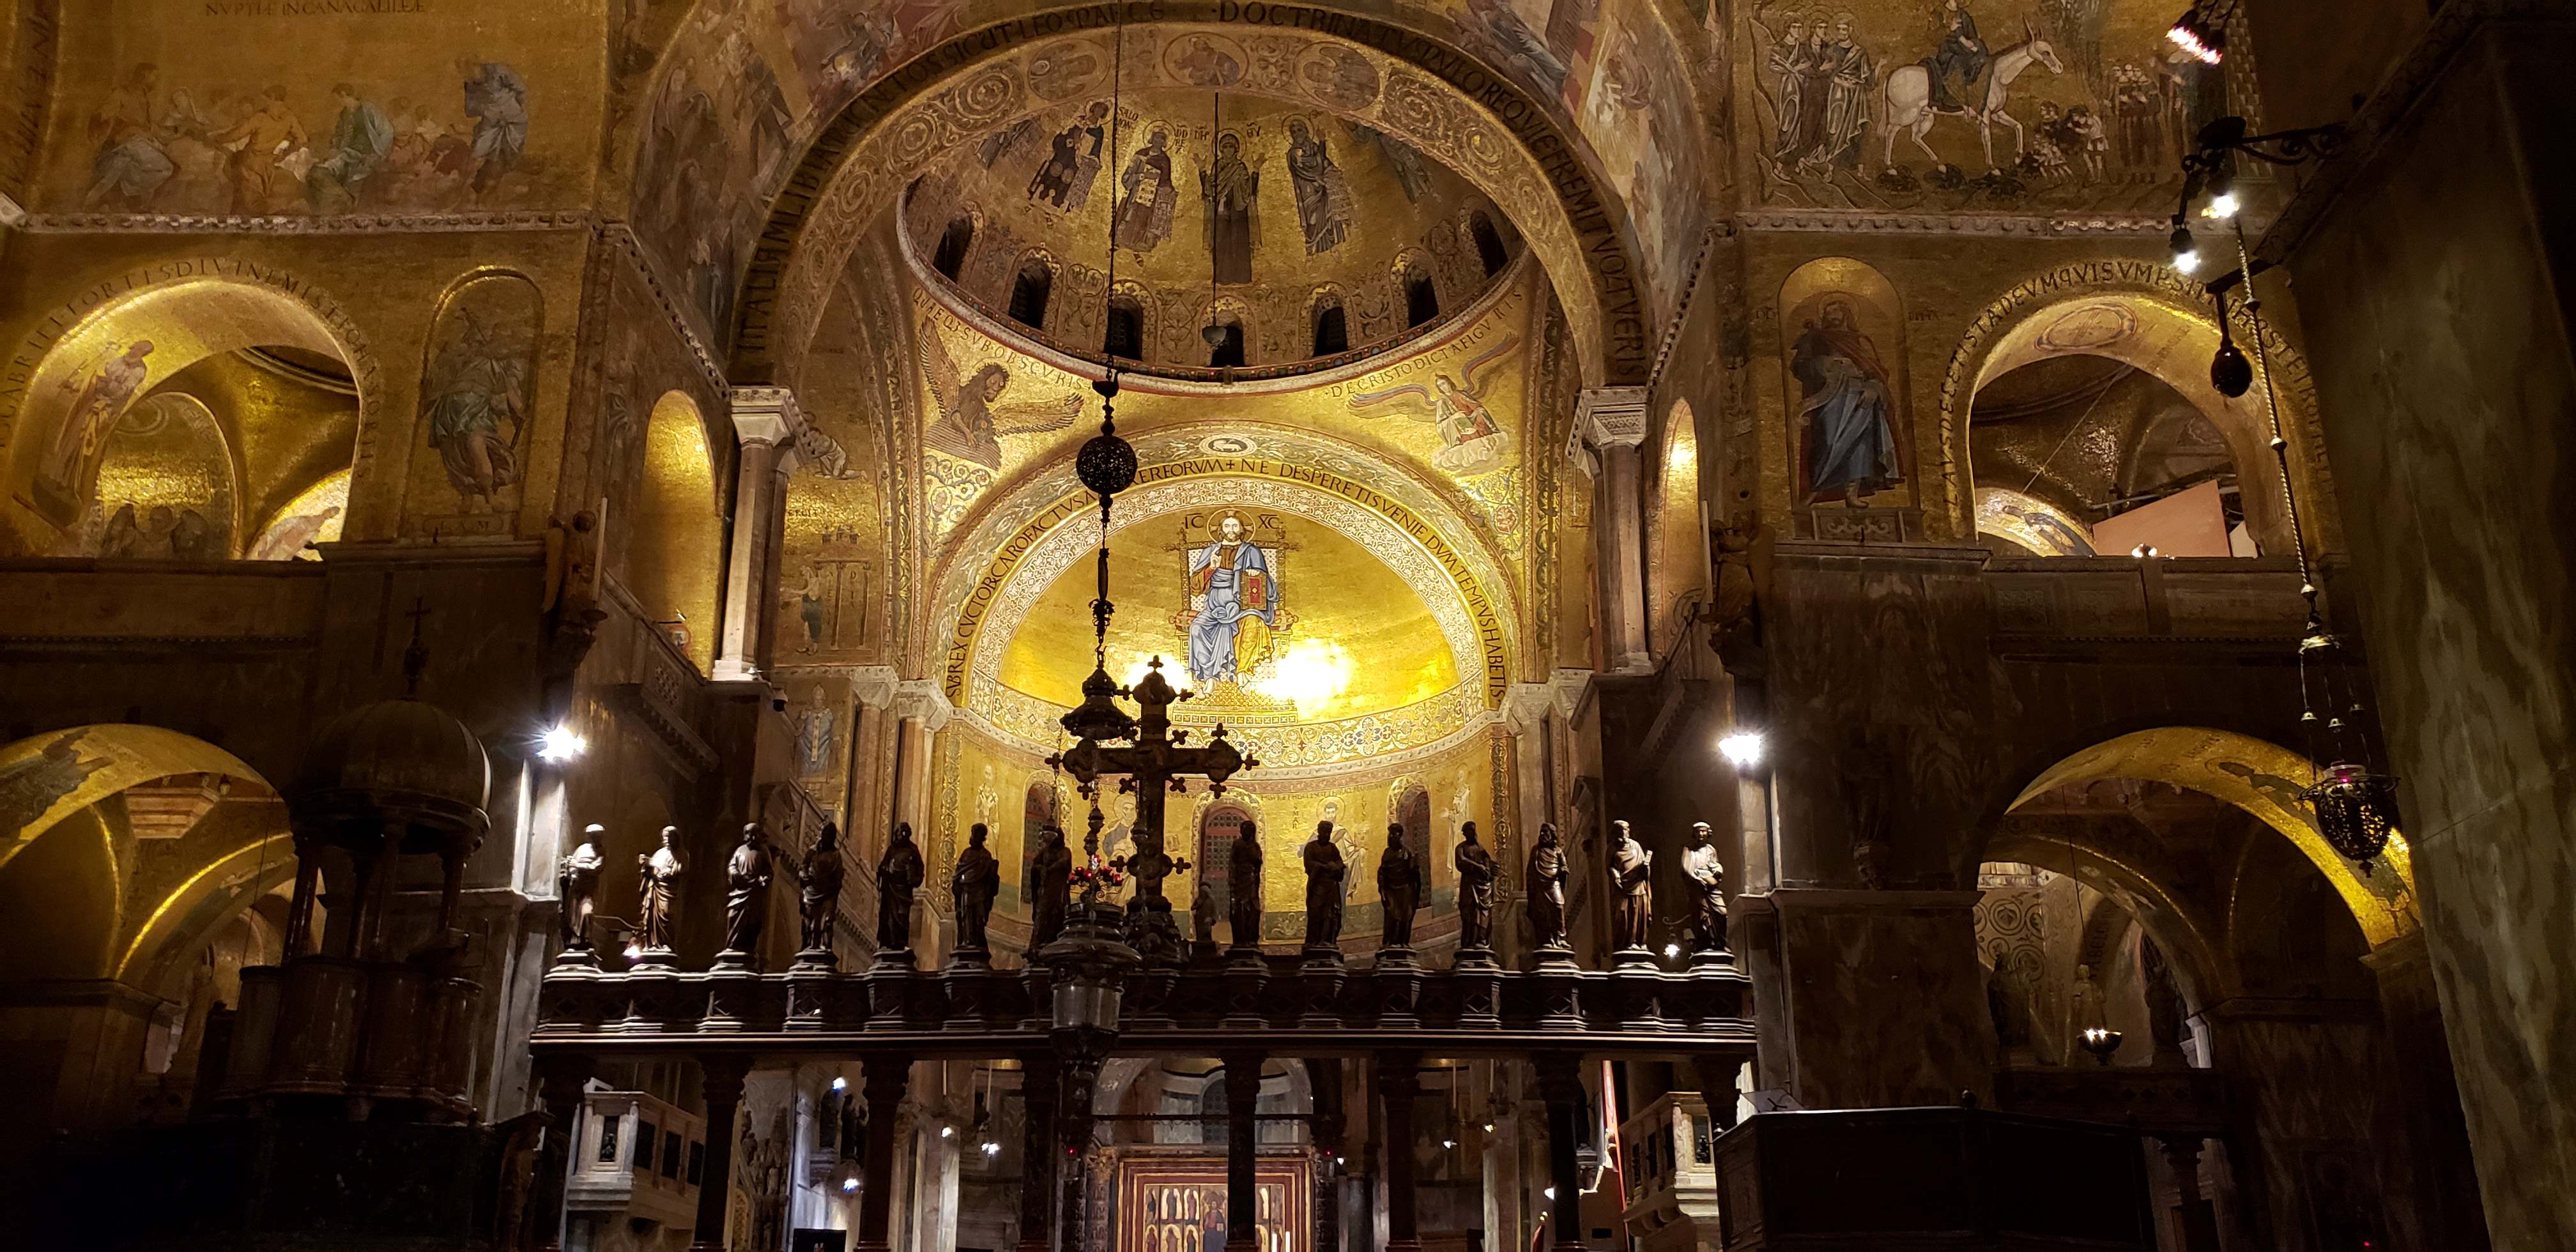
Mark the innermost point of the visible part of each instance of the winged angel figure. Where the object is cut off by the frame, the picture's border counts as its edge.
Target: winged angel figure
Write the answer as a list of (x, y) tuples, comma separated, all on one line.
[(972, 420), (1471, 442)]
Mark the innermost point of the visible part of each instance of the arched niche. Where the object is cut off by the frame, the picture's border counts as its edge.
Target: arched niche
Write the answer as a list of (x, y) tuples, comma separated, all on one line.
[(2265, 780), (1849, 431), (1677, 566), (673, 558), (2143, 315), (225, 398), (477, 406)]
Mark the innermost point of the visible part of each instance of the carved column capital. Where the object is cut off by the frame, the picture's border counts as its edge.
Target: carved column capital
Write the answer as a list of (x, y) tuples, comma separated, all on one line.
[(924, 701), (766, 415), (1526, 706), (874, 686), (1612, 417)]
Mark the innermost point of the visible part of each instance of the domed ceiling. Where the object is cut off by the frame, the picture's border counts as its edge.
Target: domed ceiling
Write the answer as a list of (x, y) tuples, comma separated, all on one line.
[(1289, 211)]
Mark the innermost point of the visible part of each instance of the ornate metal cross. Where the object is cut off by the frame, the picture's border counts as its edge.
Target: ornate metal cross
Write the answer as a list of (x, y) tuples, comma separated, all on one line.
[(1156, 764)]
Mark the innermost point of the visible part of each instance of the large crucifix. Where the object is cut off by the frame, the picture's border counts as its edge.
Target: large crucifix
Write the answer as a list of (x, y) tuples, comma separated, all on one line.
[(1156, 759), (1157, 763)]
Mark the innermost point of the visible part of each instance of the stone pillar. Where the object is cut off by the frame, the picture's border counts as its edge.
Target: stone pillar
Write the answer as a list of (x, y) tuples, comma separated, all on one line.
[(1081, 1088), (935, 1181), (2428, 1161), (1560, 1084), (1615, 418), (1399, 1079), (2199, 1220), (560, 1080), (868, 810), (765, 420), (1324, 1078), (2430, 271), (921, 711), (720, 1081), (1039, 1092), (1840, 972), (1498, 1153), (883, 1090), (1242, 1150)]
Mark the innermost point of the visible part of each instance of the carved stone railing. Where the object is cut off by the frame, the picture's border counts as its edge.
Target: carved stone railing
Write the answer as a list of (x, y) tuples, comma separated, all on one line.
[(1285, 1006), (2126, 598), (1671, 1170)]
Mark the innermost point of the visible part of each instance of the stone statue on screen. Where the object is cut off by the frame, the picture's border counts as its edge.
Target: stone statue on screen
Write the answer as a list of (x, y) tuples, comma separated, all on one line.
[(1205, 910), (1399, 888), (1707, 877), (818, 890), (1476, 875), (975, 881), (1326, 873), (1243, 878), (577, 884), (1546, 885), (899, 875), (658, 878), (1052, 875), (1632, 898), (747, 877)]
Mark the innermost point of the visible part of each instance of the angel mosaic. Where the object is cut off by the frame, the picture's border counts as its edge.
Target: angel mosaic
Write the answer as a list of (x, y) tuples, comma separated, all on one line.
[(972, 419), (1471, 440)]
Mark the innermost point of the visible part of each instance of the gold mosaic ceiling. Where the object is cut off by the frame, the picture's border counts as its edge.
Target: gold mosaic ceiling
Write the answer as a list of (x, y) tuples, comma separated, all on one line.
[(1286, 205)]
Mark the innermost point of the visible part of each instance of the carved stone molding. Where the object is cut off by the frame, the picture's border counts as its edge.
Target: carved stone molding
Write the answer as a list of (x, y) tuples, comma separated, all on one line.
[(1614, 416), (303, 224), (1526, 705), (1832, 221)]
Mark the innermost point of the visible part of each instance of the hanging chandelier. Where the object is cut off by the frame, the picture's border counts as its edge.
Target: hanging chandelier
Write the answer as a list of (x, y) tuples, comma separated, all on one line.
[(2355, 805)]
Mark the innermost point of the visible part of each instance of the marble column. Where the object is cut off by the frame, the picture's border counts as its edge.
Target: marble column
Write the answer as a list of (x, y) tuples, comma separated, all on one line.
[(720, 1082), (1039, 1092), (2198, 1220), (868, 809), (765, 420), (1242, 1150), (936, 1178), (921, 711), (1560, 1084), (1324, 1079), (2431, 280), (560, 1080), (883, 1090), (1615, 420), (2430, 1162), (1399, 1080), (1498, 1158)]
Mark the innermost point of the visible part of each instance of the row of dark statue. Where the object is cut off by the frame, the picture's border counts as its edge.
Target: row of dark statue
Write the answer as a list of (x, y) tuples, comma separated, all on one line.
[(975, 882)]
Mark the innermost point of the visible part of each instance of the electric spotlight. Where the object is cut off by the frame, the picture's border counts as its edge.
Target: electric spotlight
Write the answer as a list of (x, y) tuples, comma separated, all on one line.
[(840, 1084), (2204, 38), (1550, 1193), (849, 1185), (991, 1148), (1449, 1145), (1742, 747), (2144, 550), (947, 1132), (634, 950), (1672, 950), (1489, 1128), (2223, 205), (2101, 1041), (560, 743)]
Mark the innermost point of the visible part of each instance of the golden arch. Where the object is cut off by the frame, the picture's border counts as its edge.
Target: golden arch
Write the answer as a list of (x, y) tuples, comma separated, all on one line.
[(2263, 779), (162, 318), (2144, 314), (1677, 571), (82, 765), (674, 553), (1429, 95)]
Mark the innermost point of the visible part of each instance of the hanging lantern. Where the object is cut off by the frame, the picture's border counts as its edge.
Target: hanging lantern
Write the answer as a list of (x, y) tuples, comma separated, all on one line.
[(2356, 810)]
